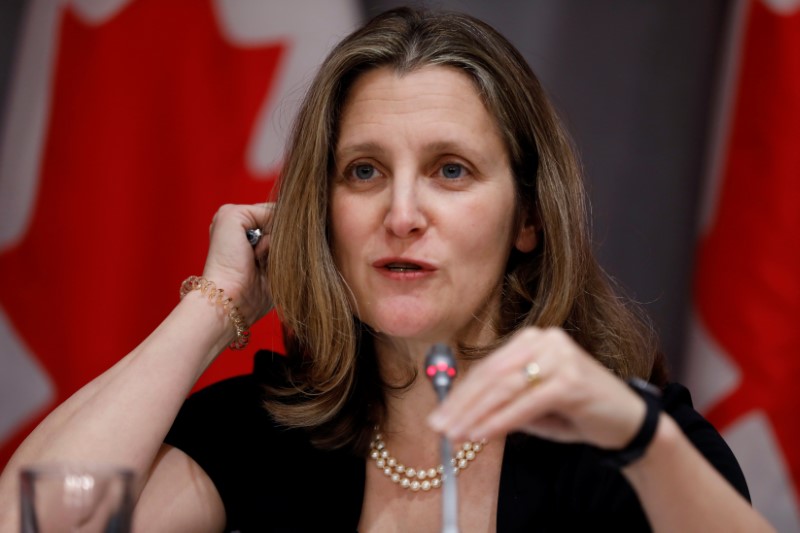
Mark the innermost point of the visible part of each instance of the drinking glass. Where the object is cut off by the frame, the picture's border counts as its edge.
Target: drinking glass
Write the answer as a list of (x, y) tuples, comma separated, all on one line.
[(75, 498)]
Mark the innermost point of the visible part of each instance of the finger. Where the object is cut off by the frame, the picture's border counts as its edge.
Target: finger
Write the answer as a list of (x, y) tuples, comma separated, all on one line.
[(502, 380), (258, 216), (490, 393), (248, 215), (522, 349), (537, 404), (480, 404), (494, 380), (582, 401), (522, 389), (241, 218), (502, 362), (230, 253), (263, 215)]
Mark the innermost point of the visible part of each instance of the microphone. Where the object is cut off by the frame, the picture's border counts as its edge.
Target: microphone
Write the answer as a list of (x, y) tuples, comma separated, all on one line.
[(440, 367)]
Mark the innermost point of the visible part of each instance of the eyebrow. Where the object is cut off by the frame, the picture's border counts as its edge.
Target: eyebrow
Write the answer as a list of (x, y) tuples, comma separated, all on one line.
[(436, 146), (370, 147)]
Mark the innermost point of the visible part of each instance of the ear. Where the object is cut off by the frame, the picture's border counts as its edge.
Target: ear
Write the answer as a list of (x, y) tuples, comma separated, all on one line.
[(527, 236)]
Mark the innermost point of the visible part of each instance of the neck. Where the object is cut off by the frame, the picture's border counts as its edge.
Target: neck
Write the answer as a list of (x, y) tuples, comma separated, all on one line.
[(408, 406), (399, 359)]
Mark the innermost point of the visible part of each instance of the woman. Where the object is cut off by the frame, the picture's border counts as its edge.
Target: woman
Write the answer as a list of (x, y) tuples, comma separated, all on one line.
[(429, 195)]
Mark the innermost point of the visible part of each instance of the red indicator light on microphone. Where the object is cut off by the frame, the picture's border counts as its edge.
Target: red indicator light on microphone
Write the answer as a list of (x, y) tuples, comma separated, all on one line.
[(440, 366)]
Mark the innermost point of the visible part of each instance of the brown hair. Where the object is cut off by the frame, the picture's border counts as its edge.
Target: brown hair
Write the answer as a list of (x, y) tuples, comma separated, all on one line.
[(332, 384)]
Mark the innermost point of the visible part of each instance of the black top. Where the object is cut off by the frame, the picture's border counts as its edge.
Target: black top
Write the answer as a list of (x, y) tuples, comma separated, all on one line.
[(271, 478)]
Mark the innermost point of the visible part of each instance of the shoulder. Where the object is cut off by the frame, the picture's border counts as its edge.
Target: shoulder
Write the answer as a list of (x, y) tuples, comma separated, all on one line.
[(226, 423), (255, 463), (225, 429), (226, 410), (243, 390)]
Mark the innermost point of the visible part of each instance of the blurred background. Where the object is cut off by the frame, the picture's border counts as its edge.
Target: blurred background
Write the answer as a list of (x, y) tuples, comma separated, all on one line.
[(126, 123)]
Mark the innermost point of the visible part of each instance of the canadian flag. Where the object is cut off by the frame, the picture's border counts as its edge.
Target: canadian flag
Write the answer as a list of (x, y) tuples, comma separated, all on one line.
[(128, 123), (744, 358)]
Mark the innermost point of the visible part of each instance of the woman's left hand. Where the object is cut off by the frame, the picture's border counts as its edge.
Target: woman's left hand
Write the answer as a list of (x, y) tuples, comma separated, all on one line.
[(566, 395)]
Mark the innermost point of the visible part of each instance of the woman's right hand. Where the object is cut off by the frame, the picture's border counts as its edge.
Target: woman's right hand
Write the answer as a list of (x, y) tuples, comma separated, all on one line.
[(233, 264), (97, 423)]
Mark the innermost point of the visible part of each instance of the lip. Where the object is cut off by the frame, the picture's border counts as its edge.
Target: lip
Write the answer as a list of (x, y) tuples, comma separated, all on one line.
[(425, 268)]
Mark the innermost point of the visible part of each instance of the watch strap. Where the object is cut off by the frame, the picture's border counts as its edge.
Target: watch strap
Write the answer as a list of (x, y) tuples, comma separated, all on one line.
[(638, 445)]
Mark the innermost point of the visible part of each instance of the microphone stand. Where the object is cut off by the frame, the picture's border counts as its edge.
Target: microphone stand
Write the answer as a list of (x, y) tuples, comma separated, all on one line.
[(440, 366), (449, 490)]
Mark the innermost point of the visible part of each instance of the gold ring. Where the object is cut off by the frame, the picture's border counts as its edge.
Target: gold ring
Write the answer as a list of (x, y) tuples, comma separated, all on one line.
[(532, 372)]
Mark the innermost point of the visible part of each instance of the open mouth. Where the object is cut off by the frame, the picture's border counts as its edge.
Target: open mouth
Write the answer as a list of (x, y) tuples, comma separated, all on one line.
[(402, 267)]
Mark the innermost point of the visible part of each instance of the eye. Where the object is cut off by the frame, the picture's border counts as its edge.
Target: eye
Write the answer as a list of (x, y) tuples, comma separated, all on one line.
[(452, 170), (362, 172)]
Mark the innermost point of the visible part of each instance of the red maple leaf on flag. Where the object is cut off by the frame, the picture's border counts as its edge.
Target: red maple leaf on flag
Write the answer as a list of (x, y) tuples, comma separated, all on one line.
[(151, 115)]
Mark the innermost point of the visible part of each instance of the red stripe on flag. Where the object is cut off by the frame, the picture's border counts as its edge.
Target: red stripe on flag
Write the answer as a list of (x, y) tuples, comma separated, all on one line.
[(152, 112), (748, 275)]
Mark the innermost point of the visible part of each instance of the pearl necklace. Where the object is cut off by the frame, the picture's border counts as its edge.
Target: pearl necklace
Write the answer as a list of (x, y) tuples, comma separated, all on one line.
[(416, 479)]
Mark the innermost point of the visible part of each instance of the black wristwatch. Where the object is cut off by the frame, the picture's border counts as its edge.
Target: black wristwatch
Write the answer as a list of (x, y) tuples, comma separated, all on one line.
[(638, 445)]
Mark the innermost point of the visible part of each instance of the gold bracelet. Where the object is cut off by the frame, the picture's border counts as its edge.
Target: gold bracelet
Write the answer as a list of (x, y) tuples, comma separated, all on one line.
[(216, 296)]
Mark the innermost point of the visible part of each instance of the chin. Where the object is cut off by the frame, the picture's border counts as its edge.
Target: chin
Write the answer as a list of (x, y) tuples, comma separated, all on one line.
[(400, 328), (414, 326)]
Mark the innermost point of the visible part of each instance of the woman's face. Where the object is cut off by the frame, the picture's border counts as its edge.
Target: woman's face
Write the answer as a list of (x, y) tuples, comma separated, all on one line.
[(423, 205)]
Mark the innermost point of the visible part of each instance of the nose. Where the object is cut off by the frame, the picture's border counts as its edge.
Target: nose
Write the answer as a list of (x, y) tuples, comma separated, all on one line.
[(406, 216)]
